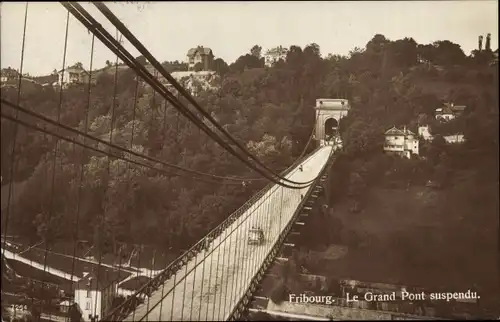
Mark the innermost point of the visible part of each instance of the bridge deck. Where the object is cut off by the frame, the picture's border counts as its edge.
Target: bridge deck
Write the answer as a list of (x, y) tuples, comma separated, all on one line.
[(211, 284)]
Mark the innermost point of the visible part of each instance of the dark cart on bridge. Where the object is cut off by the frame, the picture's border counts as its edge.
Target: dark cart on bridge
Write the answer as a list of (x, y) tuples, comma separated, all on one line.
[(255, 236)]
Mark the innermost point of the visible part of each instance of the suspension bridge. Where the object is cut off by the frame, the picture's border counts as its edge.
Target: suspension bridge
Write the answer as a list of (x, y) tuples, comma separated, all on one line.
[(214, 279)]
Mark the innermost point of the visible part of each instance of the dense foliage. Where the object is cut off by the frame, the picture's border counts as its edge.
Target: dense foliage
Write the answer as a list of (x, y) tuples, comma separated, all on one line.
[(269, 109), (141, 205), (401, 83)]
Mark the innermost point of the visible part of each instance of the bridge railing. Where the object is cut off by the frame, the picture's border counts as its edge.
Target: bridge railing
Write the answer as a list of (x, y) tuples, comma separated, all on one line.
[(127, 307), (245, 299)]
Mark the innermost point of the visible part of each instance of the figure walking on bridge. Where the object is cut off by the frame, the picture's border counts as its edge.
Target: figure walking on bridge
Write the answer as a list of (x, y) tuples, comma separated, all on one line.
[(301, 168), (208, 241)]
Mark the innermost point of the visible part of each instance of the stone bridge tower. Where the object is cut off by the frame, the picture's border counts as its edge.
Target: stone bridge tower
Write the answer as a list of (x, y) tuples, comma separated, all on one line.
[(329, 111)]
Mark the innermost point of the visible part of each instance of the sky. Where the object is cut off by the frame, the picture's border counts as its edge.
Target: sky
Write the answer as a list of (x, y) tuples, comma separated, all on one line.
[(230, 29)]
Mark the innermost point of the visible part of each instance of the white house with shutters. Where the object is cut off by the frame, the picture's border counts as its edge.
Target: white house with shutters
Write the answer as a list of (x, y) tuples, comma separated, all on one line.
[(401, 142), (94, 294)]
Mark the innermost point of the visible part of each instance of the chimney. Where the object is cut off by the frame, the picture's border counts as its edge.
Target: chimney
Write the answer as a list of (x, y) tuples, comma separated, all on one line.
[(404, 129), (488, 42), (480, 45)]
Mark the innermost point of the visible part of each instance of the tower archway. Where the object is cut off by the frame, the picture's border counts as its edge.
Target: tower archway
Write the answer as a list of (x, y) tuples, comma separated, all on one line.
[(331, 126), (329, 112)]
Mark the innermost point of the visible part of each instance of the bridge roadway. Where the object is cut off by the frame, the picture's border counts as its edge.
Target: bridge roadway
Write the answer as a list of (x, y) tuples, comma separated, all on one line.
[(212, 283)]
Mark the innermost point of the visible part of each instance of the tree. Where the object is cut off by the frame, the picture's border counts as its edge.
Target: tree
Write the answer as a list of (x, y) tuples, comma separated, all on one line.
[(5, 311), (294, 58), (448, 53), (256, 51), (482, 58), (312, 50), (430, 151), (108, 64), (74, 313), (198, 67), (426, 53), (270, 107), (220, 66), (403, 52), (246, 62), (142, 60), (279, 293), (175, 66), (356, 185)]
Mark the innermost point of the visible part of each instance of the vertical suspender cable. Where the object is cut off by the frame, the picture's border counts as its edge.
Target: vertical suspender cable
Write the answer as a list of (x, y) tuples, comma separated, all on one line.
[(82, 162), (14, 135), (48, 220)]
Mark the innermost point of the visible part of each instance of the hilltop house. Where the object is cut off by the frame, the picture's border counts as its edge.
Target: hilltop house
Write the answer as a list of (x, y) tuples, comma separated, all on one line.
[(8, 74), (273, 55), (449, 111), (48, 80), (203, 77), (494, 61), (454, 139), (424, 132), (201, 55), (401, 142), (94, 294), (75, 75)]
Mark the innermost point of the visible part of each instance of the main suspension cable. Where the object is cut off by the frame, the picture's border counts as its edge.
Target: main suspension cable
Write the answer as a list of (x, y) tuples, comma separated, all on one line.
[(138, 45), (117, 48)]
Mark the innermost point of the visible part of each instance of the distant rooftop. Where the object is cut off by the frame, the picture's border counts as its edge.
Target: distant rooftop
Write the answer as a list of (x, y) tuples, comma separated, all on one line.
[(201, 49), (450, 108), (100, 279), (395, 131)]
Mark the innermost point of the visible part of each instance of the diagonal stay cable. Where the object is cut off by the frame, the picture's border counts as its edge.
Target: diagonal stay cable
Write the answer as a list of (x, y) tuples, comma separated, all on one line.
[(112, 145), (139, 46), (86, 19)]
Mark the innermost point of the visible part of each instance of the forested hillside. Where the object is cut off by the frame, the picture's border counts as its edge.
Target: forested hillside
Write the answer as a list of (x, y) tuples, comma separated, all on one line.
[(398, 228), (388, 83)]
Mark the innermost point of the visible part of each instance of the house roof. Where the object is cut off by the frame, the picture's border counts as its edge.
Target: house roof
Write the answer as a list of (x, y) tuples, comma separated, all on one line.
[(201, 49), (450, 108), (444, 110), (277, 51), (9, 72), (458, 108), (46, 79), (100, 279), (135, 283), (74, 69), (394, 131)]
